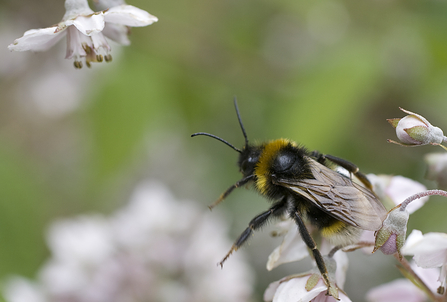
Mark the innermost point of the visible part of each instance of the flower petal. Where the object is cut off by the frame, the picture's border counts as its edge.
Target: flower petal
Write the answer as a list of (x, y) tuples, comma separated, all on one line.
[(117, 33), (129, 15), (400, 188), (271, 290), (429, 250), (294, 290), (400, 290), (291, 249), (88, 25), (37, 39), (76, 43)]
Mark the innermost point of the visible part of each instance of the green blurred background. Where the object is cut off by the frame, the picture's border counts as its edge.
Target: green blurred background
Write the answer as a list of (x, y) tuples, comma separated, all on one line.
[(326, 74)]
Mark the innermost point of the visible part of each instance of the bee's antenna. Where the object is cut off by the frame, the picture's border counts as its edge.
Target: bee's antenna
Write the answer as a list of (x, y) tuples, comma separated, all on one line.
[(218, 138), (240, 122)]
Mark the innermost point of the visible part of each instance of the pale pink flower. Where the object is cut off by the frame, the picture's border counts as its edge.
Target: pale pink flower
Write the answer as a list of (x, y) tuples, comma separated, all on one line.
[(294, 289), (307, 286), (83, 28), (429, 251), (392, 190), (403, 290), (155, 248)]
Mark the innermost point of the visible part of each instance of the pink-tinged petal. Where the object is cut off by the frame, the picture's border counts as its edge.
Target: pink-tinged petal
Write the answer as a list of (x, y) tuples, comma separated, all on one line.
[(271, 290), (423, 119), (428, 275), (400, 290), (429, 250), (414, 239), (291, 249), (294, 290), (37, 39), (117, 32), (99, 41), (342, 267), (76, 43), (432, 259), (129, 15), (428, 243), (89, 25), (400, 188), (323, 298)]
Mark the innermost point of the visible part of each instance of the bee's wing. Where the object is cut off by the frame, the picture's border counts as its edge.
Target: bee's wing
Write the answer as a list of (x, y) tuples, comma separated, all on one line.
[(339, 196)]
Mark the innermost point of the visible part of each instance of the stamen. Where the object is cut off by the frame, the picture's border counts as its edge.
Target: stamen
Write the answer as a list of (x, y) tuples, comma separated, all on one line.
[(77, 64), (99, 58), (108, 58), (88, 50), (88, 64)]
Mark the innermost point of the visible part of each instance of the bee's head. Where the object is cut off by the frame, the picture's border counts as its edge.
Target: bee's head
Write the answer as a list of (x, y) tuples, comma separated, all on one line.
[(249, 158)]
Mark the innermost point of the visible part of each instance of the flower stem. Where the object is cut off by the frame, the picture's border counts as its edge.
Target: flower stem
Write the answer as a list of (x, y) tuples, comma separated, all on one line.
[(407, 201), (410, 271)]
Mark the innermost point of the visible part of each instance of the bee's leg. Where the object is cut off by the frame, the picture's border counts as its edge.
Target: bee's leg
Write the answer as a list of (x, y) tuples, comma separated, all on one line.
[(241, 182), (307, 238), (350, 167), (276, 210)]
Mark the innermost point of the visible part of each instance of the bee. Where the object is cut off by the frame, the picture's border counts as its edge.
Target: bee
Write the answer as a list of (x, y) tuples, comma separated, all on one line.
[(303, 185)]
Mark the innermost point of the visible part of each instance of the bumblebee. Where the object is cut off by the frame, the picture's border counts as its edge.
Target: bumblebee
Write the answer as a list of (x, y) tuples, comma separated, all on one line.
[(303, 185)]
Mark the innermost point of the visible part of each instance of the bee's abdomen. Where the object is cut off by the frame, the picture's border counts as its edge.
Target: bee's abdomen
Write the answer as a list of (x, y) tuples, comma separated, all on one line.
[(336, 231)]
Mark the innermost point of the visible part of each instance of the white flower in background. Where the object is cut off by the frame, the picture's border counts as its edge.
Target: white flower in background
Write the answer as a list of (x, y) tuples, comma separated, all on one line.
[(428, 251), (437, 168), (393, 190), (115, 31), (154, 249), (403, 290), (83, 28)]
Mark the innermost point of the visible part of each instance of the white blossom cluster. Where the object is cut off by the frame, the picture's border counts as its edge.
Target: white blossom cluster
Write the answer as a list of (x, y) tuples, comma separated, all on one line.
[(155, 248), (87, 30)]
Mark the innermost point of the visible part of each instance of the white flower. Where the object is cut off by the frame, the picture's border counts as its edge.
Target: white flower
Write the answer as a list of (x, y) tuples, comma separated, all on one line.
[(292, 248), (393, 190), (116, 31), (156, 248), (294, 289), (437, 168), (403, 290), (307, 286), (429, 251), (83, 28)]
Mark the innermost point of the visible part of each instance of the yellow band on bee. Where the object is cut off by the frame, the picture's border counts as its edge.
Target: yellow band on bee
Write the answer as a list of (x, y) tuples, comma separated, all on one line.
[(334, 228), (262, 169)]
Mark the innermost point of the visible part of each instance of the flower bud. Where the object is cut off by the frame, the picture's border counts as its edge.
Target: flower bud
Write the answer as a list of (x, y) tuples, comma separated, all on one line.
[(414, 130), (391, 237)]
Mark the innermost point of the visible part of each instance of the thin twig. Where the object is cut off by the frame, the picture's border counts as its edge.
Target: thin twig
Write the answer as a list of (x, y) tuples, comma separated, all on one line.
[(426, 289)]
